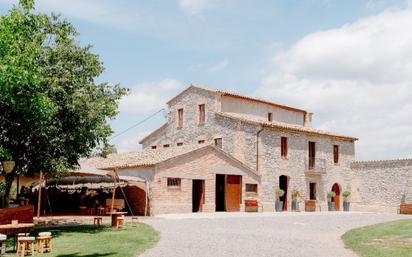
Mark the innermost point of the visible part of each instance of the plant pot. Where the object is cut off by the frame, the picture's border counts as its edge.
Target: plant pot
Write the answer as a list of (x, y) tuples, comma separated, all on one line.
[(279, 206), (346, 206), (295, 206), (331, 206), (310, 205)]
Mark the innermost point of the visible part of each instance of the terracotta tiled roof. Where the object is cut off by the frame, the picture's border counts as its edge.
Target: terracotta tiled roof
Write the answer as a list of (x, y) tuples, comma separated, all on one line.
[(147, 157), (232, 94), (282, 125), (155, 132)]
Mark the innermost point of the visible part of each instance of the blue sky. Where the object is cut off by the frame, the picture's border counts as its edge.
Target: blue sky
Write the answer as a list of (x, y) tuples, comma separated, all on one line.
[(331, 57)]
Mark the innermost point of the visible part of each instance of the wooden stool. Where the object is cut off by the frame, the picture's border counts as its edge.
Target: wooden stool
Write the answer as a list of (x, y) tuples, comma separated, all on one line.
[(97, 221), (25, 245), (2, 244), (135, 221), (120, 222), (82, 210)]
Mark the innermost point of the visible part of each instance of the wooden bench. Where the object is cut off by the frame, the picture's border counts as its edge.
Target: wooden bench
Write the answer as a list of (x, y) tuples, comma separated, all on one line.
[(405, 208)]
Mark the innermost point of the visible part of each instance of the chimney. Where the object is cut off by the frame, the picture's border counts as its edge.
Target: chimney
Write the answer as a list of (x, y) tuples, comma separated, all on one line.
[(308, 119)]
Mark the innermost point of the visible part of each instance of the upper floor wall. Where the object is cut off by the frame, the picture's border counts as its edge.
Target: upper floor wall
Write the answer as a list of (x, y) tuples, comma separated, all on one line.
[(264, 111)]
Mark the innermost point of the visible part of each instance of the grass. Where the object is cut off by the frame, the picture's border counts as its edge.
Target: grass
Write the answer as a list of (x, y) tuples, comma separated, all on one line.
[(89, 241), (386, 239)]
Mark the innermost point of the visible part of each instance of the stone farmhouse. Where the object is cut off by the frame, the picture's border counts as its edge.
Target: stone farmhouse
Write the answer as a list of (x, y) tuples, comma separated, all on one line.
[(219, 148)]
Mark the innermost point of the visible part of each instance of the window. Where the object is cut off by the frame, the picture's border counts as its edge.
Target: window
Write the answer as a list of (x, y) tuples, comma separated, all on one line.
[(179, 144), (154, 147), (251, 188), (201, 141), (312, 154), (336, 154), (283, 147), (202, 115), (270, 116), (174, 183), (312, 191), (180, 118), (218, 143), (166, 145)]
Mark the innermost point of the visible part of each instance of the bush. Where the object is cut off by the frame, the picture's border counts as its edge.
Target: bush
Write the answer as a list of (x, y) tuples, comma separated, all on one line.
[(331, 194), (279, 192), (295, 194)]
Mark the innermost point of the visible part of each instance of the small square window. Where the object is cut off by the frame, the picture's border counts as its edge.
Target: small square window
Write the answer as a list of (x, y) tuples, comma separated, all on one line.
[(179, 144), (283, 147), (251, 188), (154, 147), (218, 143), (174, 183), (166, 145), (201, 141)]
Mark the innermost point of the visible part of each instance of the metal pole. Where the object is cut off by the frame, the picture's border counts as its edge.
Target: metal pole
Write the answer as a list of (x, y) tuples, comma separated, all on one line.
[(114, 189), (39, 195)]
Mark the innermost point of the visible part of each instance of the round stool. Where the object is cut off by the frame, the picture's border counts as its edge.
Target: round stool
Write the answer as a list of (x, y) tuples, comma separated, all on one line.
[(25, 245), (3, 244), (44, 243), (97, 221)]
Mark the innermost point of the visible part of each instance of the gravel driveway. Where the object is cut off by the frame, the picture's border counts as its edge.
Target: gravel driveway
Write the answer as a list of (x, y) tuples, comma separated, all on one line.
[(258, 234)]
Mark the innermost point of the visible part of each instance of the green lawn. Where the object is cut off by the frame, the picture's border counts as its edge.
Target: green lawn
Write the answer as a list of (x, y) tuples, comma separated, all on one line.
[(390, 239), (88, 241)]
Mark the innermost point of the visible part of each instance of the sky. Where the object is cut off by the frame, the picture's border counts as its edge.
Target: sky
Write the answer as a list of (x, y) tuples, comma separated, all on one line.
[(349, 62)]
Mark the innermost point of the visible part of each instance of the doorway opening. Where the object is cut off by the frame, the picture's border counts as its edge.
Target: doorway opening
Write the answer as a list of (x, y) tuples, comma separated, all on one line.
[(312, 191), (336, 198), (198, 195), (220, 192), (284, 184)]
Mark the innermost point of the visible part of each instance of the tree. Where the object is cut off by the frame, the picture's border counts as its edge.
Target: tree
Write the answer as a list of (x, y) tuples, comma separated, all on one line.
[(52, 111)]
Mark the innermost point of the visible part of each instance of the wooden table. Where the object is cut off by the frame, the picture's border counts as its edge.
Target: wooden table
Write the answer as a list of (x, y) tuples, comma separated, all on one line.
[(14, 229), (115, 215)]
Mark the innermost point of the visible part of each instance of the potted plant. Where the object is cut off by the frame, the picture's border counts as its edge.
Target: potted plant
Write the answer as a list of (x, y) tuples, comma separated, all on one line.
[(295, 196), (279, 204), (346, 203), (331, 206)]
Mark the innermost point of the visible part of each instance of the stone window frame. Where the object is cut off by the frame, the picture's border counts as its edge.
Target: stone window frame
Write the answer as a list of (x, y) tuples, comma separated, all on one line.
[(180, 120), (248, 188), (166, 145), (153, 147), (174, 184), (270, 116), (215, 142), (200, 123), (336, 155), (284, 145)]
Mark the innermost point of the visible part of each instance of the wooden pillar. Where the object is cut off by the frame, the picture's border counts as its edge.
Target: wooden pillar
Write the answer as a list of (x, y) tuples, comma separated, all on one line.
[(39, 196)]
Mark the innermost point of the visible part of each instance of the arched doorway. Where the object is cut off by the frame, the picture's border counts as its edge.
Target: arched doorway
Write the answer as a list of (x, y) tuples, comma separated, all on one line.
[(284, 184), (336, 199)]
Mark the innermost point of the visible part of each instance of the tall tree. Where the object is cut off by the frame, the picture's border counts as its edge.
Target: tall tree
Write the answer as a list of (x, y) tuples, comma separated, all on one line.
[(52, 111)]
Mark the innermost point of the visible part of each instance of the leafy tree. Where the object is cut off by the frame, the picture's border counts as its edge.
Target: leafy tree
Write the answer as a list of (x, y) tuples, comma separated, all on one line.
[(52, 111)]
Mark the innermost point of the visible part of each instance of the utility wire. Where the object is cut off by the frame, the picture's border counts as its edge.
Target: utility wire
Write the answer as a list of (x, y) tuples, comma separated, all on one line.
[(137, 124)]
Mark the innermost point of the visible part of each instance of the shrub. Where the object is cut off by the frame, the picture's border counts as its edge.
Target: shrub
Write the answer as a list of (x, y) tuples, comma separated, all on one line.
[(331, 194), (279, 192), (346, 194), (295, 194)]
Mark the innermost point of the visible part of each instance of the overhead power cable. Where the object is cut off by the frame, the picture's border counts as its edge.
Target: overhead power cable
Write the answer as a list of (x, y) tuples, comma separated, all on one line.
[(137, 124)]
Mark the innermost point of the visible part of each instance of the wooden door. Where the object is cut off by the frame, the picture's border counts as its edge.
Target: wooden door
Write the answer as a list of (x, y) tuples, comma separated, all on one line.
[(198, 195), (336, 199), (233, 192)]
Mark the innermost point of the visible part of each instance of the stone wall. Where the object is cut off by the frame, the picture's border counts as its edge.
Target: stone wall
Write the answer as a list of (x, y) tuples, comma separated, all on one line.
[(272, 165), (261, 110), (381, 185)]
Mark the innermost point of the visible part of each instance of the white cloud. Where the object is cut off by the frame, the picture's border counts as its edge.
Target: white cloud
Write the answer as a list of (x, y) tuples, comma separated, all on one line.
[(356, 78), (194, 6), (218, 66), (150, 96)]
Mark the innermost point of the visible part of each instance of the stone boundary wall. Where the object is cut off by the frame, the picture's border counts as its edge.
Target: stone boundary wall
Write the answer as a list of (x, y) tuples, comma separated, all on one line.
[(381, 185)]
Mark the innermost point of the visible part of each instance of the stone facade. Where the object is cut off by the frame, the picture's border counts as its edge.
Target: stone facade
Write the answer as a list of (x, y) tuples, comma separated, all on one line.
[(258, 146), (202, 164)]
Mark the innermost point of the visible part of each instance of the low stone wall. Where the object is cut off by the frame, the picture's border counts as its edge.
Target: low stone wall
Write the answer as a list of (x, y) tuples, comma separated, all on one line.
[(381, 185)]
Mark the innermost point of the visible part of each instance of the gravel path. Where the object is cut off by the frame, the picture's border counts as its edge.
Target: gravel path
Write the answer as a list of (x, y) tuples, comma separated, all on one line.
[(258, 234)]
